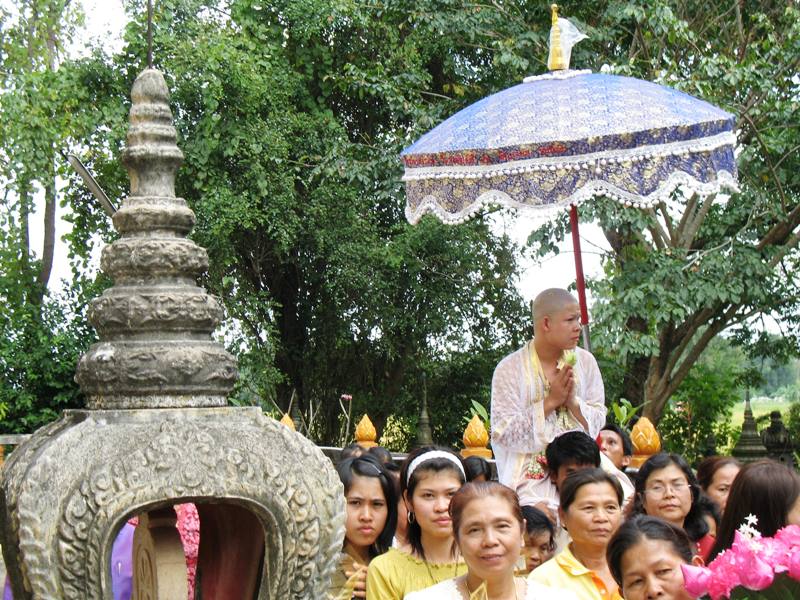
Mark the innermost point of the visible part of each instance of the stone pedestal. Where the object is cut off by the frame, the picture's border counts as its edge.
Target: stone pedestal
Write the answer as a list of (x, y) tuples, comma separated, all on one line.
[(157, 432)]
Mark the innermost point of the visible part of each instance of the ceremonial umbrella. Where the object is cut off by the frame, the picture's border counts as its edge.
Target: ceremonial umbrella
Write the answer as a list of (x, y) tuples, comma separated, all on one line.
[(562, 138)]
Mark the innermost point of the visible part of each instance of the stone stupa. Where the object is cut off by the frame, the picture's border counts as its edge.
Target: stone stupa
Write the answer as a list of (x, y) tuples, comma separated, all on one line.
[(157, 432)]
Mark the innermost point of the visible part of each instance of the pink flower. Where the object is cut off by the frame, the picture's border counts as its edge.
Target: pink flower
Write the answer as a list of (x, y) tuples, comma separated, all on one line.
[(751, 562), (758, 575), (696, 580), (789, 536), (724, 575)]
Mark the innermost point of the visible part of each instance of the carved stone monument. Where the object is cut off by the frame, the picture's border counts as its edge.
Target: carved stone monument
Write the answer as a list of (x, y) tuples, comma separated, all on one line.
[(156, 431), (777, 440)]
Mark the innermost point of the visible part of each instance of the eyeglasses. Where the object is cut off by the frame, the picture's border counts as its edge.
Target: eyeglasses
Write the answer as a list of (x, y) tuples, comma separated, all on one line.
[(659, 489)]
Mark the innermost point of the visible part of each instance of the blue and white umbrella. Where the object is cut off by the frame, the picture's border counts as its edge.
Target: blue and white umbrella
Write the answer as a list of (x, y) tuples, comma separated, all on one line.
[(560, 139)]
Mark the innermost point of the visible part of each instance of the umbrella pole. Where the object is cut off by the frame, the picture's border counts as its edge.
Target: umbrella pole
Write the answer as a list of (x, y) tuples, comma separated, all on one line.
[(581, 283)]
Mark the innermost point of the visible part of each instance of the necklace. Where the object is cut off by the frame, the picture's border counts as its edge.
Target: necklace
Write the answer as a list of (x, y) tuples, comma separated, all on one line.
[(469, 594), (430, 573)]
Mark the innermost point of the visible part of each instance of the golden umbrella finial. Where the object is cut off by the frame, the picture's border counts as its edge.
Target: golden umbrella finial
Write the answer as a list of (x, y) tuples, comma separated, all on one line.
[(555, 62)]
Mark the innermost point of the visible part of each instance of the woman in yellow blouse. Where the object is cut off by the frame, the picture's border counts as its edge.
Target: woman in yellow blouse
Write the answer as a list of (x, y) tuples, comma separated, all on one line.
[(590, 511), (369, 526), (429, 478)]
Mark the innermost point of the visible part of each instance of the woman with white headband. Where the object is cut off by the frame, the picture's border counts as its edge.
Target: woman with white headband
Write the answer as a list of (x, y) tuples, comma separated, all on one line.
[(429, 479)]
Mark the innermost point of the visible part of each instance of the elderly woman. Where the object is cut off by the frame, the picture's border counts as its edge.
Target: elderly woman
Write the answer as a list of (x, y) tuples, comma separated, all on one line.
[(591, 512), (488, 528)]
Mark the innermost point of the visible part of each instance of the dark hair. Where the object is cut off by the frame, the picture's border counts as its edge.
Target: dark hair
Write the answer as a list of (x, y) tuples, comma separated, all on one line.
[(351, 451), (572, 447), (576, 480), (627, 446), (367, 466), (641, 527), (393, 467), (693, 523), (381, 454), (709, 507), (409, 484), (482, 489), (475, 466), (766, 489), (709, 467), (536, 521)]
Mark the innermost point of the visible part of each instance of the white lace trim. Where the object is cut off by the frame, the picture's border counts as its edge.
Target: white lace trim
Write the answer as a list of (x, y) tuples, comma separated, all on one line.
[(566, 74), (595, 160), (677, 180)]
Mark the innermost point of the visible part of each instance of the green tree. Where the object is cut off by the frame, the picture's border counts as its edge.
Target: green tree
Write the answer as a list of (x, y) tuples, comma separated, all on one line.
[(291, 119), (681, 273), (41, 103)]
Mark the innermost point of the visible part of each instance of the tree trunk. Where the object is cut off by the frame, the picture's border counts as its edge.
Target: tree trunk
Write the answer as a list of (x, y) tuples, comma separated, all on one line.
[(49, 238)]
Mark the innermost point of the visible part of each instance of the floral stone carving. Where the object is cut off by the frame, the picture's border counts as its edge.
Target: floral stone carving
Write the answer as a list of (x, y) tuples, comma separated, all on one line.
[(131, 461)]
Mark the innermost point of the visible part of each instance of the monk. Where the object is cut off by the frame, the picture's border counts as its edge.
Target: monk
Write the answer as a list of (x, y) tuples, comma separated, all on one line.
[(537, 394)]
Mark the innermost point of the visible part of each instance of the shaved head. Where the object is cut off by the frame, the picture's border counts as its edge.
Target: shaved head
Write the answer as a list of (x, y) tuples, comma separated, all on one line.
[(551, 302)]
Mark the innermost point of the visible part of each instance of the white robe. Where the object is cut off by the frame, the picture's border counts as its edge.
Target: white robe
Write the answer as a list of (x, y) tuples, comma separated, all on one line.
[(519, 427)]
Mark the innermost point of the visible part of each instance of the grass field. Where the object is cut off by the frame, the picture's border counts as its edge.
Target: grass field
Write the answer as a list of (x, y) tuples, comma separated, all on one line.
[(760, 407)]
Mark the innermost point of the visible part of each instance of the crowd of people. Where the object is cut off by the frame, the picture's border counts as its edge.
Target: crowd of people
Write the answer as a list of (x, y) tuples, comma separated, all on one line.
[(439, 527), (566, 518)]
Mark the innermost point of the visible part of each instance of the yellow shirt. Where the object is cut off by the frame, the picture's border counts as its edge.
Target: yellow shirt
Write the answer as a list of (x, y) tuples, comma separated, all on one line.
[(393, 575), (566, 572)]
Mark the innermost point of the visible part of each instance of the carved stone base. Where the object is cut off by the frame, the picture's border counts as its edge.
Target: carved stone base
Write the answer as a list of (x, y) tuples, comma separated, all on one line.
[(68, 490)]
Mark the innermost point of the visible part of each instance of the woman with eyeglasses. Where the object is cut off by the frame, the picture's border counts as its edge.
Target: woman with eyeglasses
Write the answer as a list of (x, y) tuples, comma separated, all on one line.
[(667, 488)]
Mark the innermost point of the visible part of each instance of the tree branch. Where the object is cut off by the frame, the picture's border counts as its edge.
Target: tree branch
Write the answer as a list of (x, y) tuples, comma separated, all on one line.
[(662, 206), (659, 235), (687, 213), (767, 160), (790, 244), (696, 222)]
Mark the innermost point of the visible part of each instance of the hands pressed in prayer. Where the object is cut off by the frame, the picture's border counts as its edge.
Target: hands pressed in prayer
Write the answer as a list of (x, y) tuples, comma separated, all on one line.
[(358, 575)]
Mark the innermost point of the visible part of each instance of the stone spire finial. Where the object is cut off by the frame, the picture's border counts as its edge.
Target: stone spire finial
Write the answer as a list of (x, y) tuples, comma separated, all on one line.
[(155, 323), (749, 446)]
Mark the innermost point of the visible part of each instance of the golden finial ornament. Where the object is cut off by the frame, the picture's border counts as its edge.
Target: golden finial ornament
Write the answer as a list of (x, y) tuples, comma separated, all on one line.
[(555, 61), (645, 440), (476, 439), (366, 433), (287, 420)]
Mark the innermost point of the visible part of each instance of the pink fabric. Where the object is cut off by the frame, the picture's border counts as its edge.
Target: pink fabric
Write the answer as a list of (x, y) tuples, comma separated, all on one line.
[(189, 530)]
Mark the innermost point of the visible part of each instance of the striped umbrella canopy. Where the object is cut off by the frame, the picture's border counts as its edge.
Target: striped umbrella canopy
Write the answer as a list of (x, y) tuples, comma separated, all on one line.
[(562, 138)]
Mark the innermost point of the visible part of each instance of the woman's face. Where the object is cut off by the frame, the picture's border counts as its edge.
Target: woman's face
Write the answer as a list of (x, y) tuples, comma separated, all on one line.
[(651, 569), (489, 537), (431, 501), (594, 515), (721, 483), (667, 495), (367, 511)]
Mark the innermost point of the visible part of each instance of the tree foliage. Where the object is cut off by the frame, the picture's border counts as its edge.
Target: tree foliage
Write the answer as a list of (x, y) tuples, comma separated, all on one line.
[(680, 274), (291, 116)]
